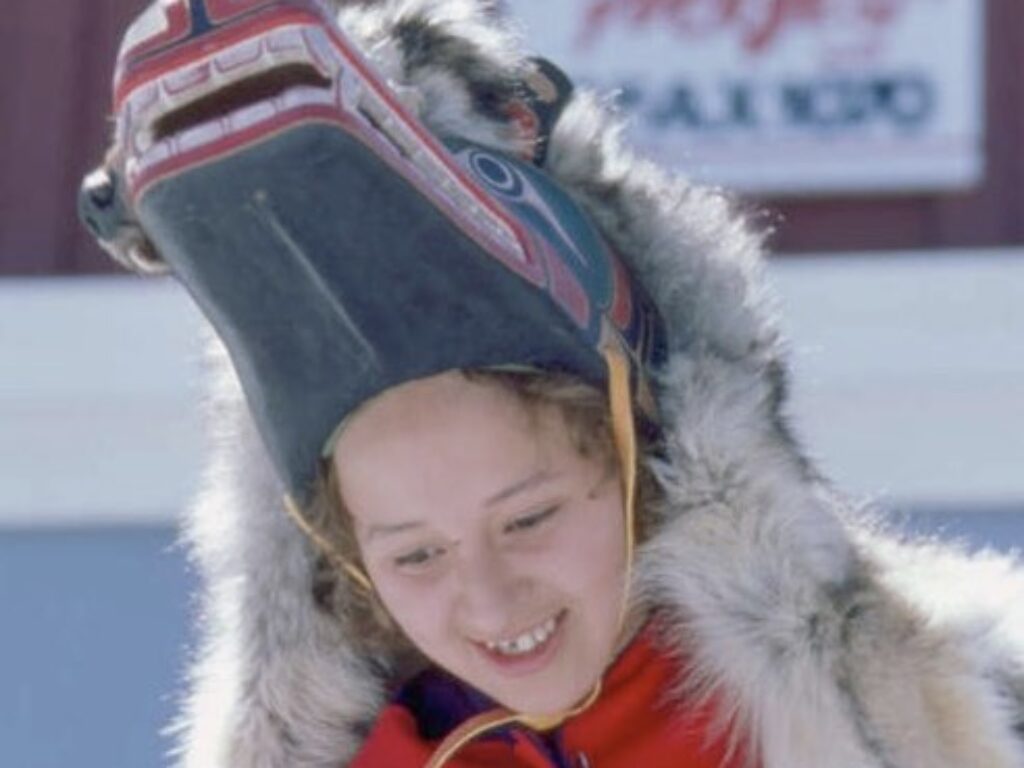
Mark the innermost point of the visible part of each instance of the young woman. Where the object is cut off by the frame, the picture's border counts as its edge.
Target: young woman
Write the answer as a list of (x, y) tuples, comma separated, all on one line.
[(448, 375), (488, 512)]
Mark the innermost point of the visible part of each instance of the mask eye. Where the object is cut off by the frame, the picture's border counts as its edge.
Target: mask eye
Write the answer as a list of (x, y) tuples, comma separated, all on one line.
[(531, 521)]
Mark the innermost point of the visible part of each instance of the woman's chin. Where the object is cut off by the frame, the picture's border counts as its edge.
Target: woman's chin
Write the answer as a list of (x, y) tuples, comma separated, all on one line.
[(543, 696)]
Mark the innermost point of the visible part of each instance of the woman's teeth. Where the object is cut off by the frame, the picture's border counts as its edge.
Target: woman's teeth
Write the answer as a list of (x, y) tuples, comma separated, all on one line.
[(526, 642)]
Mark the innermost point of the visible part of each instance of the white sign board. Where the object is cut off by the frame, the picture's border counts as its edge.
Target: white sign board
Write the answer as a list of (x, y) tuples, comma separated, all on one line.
[(785, 96)]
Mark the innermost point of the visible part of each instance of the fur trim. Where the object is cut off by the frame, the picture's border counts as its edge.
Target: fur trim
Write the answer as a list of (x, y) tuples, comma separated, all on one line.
[(831, 644), (276, 683)]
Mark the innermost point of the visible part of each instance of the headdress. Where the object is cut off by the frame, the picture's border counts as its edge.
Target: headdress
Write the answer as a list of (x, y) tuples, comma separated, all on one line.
[(335, 244)]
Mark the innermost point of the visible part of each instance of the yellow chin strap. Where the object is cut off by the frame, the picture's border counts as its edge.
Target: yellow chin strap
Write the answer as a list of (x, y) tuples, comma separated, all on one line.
[(353, 571), (624, 435)]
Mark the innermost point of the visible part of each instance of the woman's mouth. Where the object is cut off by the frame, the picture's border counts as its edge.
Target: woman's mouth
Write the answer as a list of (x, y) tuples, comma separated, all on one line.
[(528, 651)]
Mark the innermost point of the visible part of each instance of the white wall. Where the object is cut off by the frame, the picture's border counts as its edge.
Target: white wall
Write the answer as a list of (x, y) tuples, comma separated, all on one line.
[(909, 373), (98, 417), (909, 382)]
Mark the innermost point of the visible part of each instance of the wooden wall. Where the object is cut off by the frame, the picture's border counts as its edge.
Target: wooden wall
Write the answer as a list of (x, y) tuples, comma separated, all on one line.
[(55, 63), (56, 59)]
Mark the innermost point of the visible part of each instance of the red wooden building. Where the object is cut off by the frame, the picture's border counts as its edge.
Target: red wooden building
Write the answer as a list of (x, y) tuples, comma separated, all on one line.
[(55, 64)]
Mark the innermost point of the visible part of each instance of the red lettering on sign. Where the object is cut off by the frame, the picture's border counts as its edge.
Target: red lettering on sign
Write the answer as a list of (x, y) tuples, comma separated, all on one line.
[(758, 23)]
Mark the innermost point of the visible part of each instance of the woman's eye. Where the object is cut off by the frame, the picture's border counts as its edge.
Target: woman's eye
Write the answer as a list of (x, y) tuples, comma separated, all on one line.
[(419, 557), (526, 522)]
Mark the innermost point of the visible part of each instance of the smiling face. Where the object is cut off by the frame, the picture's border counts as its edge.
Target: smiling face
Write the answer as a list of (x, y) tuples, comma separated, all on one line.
[(492, 540)]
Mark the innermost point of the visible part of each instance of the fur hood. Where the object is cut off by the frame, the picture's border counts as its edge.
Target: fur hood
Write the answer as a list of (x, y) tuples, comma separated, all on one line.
[(831, 644)]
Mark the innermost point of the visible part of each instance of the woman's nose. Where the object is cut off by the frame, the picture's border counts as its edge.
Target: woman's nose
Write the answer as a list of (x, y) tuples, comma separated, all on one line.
[(489, 592)]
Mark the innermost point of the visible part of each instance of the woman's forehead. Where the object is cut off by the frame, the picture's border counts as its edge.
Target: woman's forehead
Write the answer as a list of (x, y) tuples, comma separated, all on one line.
[(383, 522), (475, 453), (435, 407)]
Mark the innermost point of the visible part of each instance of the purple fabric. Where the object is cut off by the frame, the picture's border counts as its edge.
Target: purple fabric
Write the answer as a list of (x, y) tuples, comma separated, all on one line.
[(440, 703)]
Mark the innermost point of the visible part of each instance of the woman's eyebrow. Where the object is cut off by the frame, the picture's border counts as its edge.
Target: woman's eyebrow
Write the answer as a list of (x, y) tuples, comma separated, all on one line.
[(375, 531), (539, 477)]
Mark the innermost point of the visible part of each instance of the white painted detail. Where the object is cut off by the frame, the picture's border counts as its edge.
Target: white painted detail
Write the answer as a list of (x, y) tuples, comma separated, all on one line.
[(286, 45), (304, 95), (158, 153), (143, 99), (350, 90), (238, 55), (251, 115), (170, 98), (143, 140), (180, 80), (286, 39), (200, 136), (323, 50), (186, 85), (150, 24)]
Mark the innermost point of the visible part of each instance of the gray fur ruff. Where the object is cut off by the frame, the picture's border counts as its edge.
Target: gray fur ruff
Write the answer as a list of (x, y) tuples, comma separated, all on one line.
[(830, 644)]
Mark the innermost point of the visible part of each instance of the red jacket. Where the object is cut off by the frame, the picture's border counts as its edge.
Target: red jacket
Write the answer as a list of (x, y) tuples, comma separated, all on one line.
[(631, 724)]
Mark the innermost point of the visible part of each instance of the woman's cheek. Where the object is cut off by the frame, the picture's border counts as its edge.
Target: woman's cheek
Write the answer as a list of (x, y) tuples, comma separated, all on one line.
[(416, 605), (592, 550)]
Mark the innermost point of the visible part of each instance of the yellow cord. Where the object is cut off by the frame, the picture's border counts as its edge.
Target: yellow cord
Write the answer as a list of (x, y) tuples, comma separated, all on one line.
[(354, 571)]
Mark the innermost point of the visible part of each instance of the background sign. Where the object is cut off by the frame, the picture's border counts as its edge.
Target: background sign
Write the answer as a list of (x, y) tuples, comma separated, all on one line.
[(785, 96)]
